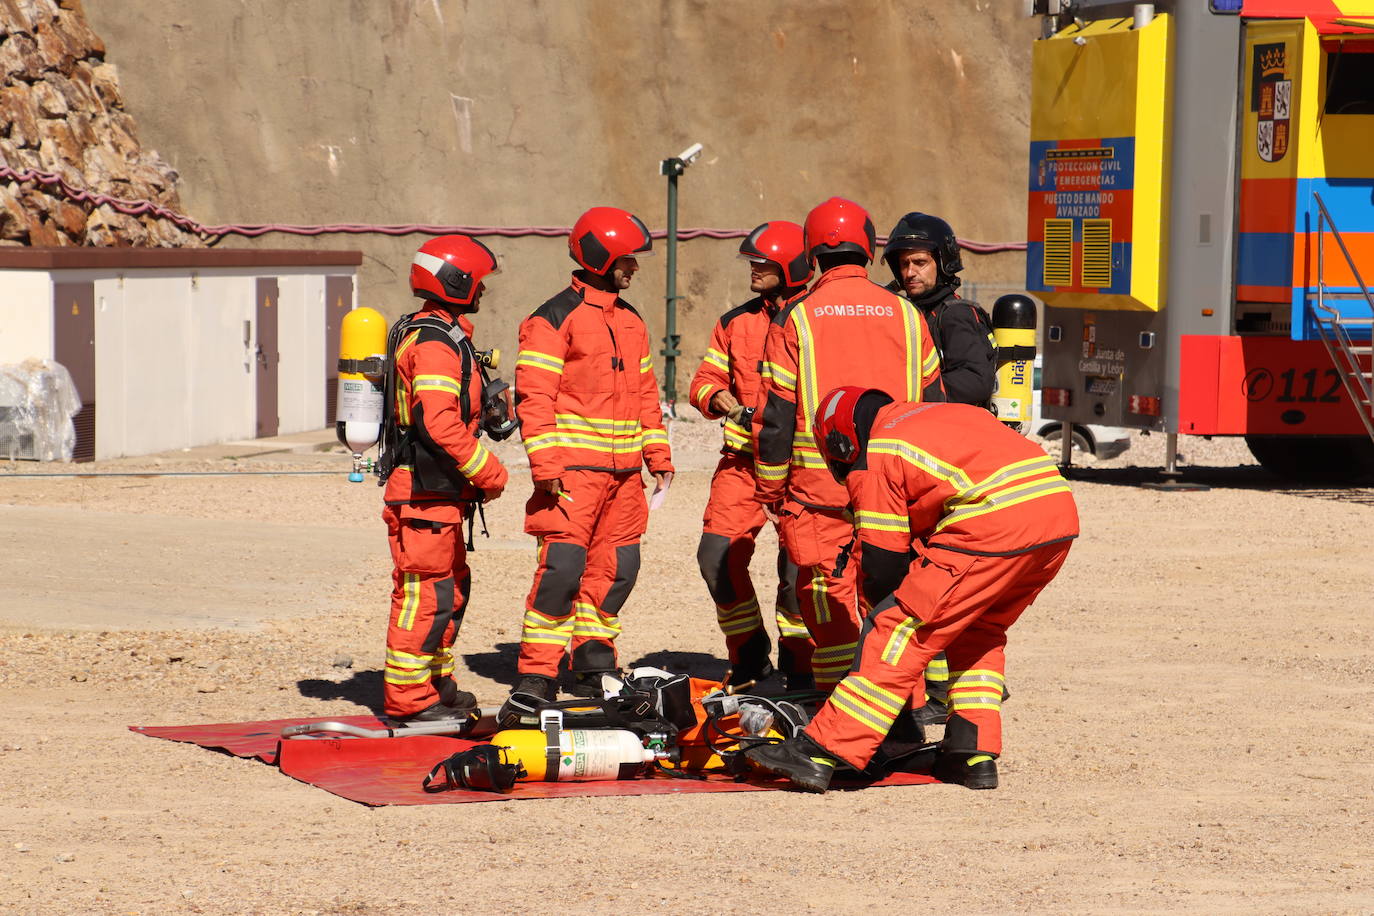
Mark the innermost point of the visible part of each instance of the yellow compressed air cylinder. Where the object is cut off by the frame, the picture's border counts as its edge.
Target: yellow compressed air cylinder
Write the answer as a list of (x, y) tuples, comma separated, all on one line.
[(1013, 331), (362, 336), (585, 754)]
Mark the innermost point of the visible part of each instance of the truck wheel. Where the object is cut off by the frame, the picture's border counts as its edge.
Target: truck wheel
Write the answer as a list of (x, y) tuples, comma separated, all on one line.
[(1317, 459), (1081, 440)]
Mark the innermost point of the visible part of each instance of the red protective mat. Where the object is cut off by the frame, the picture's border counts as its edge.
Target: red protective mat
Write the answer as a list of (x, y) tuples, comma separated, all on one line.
[(389, 771)]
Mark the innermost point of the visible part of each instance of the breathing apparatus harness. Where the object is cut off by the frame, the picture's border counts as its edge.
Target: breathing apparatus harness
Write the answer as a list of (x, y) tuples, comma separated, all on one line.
[(433, 470)]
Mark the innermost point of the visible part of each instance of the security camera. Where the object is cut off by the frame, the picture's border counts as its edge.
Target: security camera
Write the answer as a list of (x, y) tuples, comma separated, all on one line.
[(690, 154)]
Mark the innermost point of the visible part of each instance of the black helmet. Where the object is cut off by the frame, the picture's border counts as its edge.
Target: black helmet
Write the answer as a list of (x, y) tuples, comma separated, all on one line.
[(921, 230)]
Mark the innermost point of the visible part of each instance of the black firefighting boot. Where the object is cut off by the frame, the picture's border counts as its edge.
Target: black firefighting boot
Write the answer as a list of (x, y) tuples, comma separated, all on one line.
[(588, 683), (752, 664), (536, 685), (450, 695), (439, 712), (972, 771), (934, 712), (805, 763), (959, 761)]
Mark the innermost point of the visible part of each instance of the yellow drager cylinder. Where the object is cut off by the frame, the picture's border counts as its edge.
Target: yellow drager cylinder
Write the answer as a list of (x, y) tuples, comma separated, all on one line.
[(1013, 330), (584, 754), (362, 336)]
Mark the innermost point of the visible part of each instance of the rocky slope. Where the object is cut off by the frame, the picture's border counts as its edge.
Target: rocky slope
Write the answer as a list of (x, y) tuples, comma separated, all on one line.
[(62, 115)]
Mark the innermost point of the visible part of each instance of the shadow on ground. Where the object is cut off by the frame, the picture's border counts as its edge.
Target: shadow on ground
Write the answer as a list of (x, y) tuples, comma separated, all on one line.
[(361, 687), (1247, 477)]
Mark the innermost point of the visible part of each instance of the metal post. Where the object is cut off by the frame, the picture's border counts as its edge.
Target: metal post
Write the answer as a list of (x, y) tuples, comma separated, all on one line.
[(672, 168)]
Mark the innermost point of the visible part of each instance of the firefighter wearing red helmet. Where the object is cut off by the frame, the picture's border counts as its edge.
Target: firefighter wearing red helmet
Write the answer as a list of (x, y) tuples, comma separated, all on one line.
[(590, 419), (437, 470), (989, 518), (729, 386), (845, 330), (923, 255)]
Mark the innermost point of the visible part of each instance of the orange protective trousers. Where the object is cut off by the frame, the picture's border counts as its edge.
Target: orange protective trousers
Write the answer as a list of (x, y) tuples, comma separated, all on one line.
[(957, 603), (730, 527), (827, 587), (588, 563), (429, 593)]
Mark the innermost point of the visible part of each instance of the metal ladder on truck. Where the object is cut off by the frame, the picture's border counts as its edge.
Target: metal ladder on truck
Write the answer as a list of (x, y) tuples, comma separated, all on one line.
[(1351, 358)]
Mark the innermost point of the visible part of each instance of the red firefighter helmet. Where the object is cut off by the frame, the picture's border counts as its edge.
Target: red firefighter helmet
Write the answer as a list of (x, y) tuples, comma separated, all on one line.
[(839, 225), (837, 423), (449, 268), (779, 242), (603, 234)]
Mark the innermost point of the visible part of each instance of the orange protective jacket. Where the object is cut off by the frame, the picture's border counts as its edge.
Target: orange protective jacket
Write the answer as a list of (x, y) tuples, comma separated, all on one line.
[(847, 330), (734, 363), (585, 388), (429, 392), (953, 476)]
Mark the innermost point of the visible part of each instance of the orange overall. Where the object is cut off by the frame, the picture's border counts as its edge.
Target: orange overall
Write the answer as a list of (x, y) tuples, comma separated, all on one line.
[(734, 516), (590, 417), (989, 521), (846, 330), (431, 582)]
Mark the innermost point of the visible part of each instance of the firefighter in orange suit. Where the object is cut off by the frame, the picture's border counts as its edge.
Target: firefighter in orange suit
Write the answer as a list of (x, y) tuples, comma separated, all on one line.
[(590, 418), (729, 385), (962, 522), (845, 330), (442, 469)]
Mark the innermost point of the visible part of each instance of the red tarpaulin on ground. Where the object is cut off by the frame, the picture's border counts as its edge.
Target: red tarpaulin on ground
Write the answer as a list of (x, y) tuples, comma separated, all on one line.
[(390, 771)]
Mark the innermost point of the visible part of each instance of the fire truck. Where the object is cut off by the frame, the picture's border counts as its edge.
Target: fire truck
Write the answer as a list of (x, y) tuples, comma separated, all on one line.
[(1201, 222)]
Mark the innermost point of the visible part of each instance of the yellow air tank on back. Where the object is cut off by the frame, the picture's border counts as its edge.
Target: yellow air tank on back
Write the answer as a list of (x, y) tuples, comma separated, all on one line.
[(362, 374)]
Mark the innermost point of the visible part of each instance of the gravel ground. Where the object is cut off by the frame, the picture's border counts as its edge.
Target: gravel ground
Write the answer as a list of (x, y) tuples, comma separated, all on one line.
[(1187, 732)]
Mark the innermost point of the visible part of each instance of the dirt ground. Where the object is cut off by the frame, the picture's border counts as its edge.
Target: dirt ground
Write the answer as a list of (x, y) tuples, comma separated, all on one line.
[(1188, 730)]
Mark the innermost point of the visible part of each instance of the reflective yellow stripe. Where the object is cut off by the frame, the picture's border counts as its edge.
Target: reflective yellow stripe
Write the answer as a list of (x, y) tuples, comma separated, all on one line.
[(882, 521), (743, 617), (780, 376), (717, 359), (1002, 499), (867, 703), (646, 364), (790, 625), (737, 437), (897, 642), (537, 360), (405, 344), (589, 621), (771, 471), (607, 446), (819, 605), (438, 383), (475, 463), (546, 629), (655, 436), (700, 396), (921, 459), (807, 386), (410, 603), (603, 425)]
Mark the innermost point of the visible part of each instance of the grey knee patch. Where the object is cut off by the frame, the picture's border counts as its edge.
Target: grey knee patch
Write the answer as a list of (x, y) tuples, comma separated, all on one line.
[(563, 566), (713, 555), (626, 574), (443, 613)]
